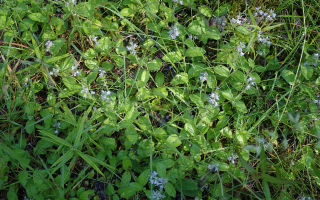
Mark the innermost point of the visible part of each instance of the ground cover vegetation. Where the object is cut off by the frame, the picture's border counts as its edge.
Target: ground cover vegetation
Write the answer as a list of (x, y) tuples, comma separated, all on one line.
[(159, 99)]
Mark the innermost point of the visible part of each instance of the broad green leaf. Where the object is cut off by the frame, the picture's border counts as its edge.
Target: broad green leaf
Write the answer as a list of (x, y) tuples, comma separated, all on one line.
[(197, 100), (240, 106), (288, 76), (173, 57), (127, 12), (155, 64), (181, 78), (205, 10), (56, 139), (38, 17), (221, 70), (195, 52), (173, 141), (144, 177), (307, 71)]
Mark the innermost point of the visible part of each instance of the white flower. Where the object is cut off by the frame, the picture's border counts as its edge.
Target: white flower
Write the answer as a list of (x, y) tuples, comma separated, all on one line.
[(54, 72), (250, 82), (232, 158), (174, 32), (214, 98), (105, 95), (95, 40), (240, 48), (84, 91), (157, 181), (132, 47), (101, 72), (157, 195), (215, 167), (203, 76), (48, 44)]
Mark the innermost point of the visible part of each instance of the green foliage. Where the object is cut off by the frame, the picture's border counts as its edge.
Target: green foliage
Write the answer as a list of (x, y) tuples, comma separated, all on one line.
[(159, 99)]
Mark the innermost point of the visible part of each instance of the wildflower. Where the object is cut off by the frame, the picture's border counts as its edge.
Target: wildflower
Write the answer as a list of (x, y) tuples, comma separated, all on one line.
[(54, 72), (174, 32), (157, 181), (95, 40), (250, 82), (262, 39), (74, 68), (105, 95), (316, 55), (157, 195), (132, 47), (191, 37), (232, 158), (48, 44), (213, 167), (203, 76), (85, 91), (214, 97), (101, 72), (239, 20), (57, 126), (180, 1), (240, 48)]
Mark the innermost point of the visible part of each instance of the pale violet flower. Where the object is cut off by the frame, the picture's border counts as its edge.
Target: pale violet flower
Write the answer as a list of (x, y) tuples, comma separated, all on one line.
[(101, 72), (203, 76), (157, 195), (85, 91), (157, 181), (48, 44), (213, 167), (262, 39), (232, 158), (95, 40), (180, 1), (214, 98), (74, 68), (174, 32), (54, 72), (105, 95), (240, 48), (192, 37), (250, 82), (132, 47), (239, 20)]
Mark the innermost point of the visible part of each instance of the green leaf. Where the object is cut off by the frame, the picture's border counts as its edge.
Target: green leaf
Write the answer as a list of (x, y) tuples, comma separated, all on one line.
[(55, 139), (213, 33), (170, 190), (173, 57), (155, 64), (159, 78), (181, 78), (38, 17), (197, 100), (130, 190), (173, 141), (222, 10), (221, 70), (153, 6), (240, 106), (307, 71), (127, 12), (189, 128), (195, 52), (144, 177), (90, 161), (205, 10), (288, 76)]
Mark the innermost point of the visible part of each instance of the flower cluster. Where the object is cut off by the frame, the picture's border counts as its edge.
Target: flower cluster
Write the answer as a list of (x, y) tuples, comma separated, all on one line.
[(101, 72), (105, 95), (85, 91), (203, 76), (239, 20), (262, 39), (250, 82), (214, 98), (54, 72), (213, 167), (270, 15), (221, 22), (192, 37), (240, 48), (74, 68), (57, 126), (232, 158), (158, 182), (95, 40), (132, 47), (174, 32), (180, 1), (48, 44), (317, 101)]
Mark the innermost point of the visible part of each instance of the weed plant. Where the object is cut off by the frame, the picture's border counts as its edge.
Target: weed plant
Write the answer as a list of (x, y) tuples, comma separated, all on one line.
[(159, 99)]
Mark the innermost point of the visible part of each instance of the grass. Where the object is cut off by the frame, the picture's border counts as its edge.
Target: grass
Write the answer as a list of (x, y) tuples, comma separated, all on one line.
[(159, 100)]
